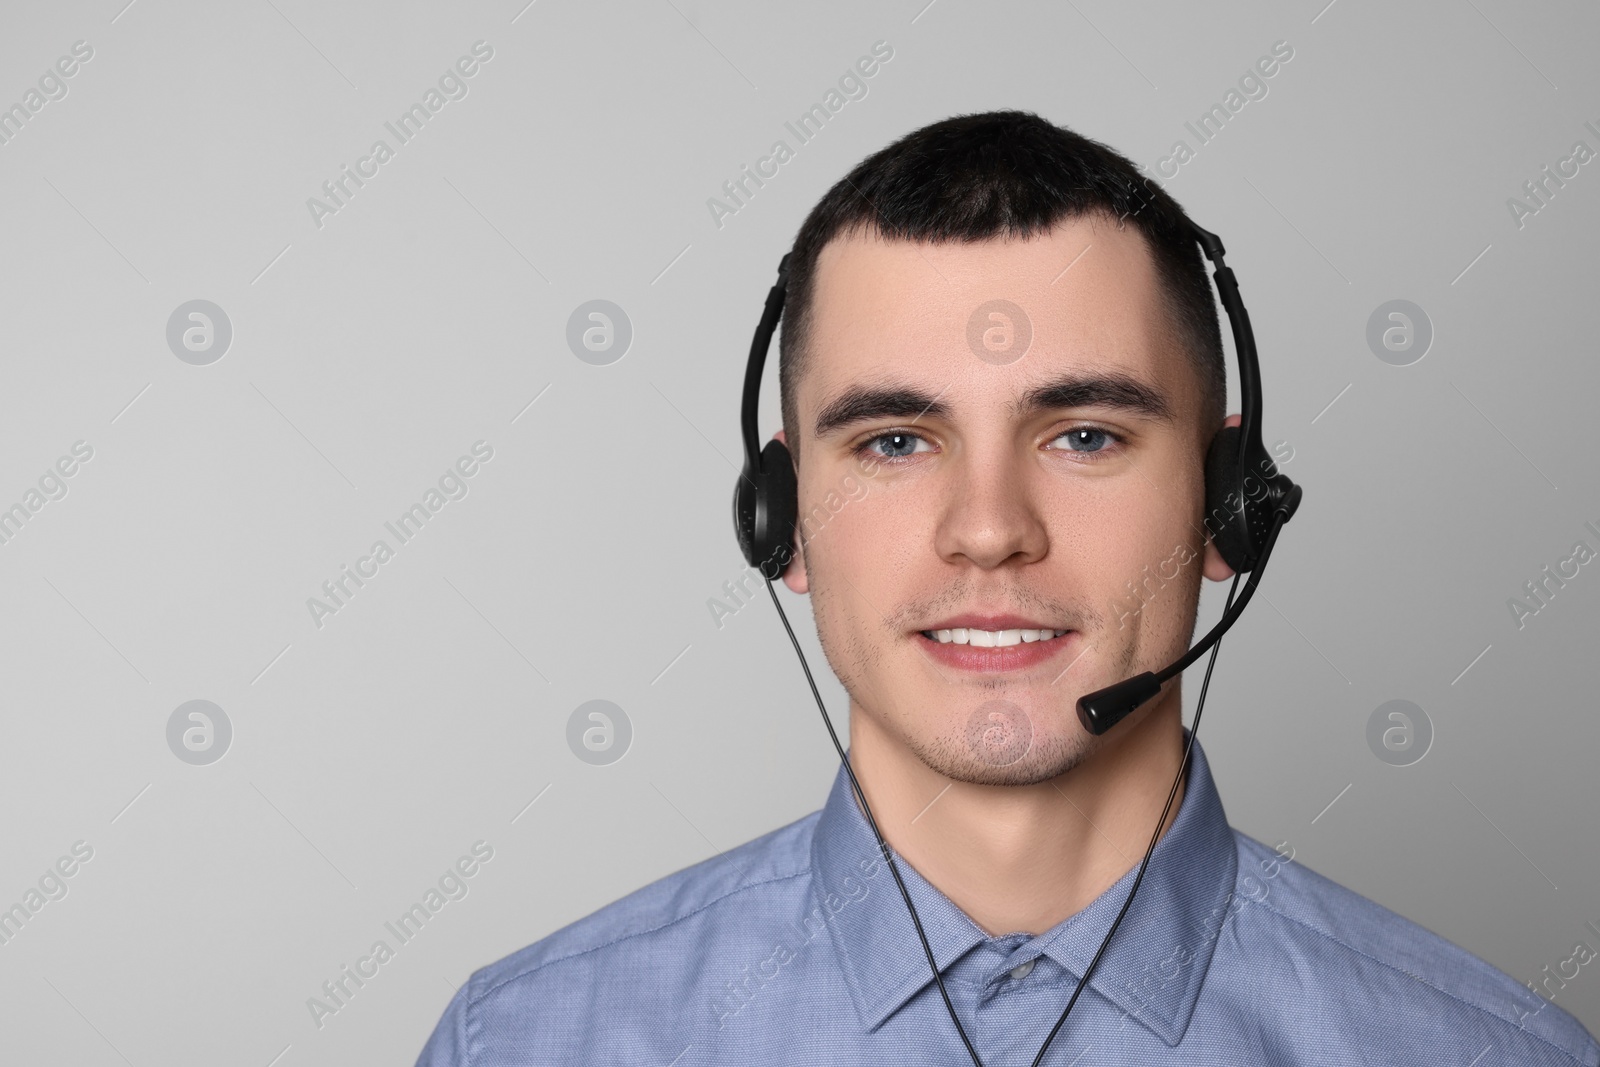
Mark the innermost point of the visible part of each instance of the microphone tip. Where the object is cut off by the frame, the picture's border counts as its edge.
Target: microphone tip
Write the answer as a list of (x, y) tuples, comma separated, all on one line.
[(1104, 708)]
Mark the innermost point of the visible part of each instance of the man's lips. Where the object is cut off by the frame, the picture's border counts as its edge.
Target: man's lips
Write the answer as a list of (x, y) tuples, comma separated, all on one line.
[(1020, 655)]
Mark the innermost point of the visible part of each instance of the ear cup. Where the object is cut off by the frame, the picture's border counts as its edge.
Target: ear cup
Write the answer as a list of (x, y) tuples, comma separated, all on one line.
[(766, 506), (1225, 516), (777, 510)]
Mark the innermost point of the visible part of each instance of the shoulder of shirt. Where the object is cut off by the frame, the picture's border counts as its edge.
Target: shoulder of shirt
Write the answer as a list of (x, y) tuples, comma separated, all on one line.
[(1347, 923), (772, 861)]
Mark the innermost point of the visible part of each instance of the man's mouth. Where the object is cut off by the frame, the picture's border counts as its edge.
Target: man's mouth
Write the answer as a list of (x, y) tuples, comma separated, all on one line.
[(991, 638), (1003, 645)]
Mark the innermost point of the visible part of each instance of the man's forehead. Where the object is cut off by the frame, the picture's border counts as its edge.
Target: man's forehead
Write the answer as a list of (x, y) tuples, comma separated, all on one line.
[(904, 316)]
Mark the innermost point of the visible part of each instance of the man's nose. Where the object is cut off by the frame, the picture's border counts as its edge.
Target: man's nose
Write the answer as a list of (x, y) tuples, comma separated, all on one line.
[(989, 515)]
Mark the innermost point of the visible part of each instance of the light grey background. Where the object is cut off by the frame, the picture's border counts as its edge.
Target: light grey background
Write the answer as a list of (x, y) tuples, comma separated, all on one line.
[(428, 313)]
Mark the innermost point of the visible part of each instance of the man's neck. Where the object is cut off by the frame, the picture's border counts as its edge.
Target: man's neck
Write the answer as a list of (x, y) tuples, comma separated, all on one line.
[(1024, 858)]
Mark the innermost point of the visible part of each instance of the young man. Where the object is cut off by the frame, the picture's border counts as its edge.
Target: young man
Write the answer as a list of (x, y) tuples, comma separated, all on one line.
[(1000, 350)]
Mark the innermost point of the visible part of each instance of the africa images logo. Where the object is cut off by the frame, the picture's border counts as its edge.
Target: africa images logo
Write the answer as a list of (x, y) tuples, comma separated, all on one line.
[(452, 86), (452, 885), (1538, 589), (453, 485), (852, 85)]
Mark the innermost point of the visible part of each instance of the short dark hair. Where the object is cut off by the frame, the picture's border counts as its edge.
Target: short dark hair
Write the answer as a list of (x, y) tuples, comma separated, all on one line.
[(1004, 173)]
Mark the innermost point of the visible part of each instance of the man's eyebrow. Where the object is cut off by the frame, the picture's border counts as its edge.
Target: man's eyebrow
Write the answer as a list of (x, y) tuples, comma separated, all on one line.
[(1113, 390), (860, 403)]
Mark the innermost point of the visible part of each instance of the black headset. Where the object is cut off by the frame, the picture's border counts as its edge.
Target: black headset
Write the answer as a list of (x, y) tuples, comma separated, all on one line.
[(1244, 512)]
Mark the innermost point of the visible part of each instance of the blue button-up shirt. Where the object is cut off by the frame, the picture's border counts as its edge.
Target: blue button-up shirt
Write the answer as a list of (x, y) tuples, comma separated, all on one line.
[(797, 948)]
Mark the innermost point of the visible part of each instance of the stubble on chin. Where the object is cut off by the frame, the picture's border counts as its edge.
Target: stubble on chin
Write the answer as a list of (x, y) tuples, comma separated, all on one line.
[(997, 745)]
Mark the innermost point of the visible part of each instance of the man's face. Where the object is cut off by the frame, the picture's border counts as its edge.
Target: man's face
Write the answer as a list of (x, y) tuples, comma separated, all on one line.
[(947, 484)]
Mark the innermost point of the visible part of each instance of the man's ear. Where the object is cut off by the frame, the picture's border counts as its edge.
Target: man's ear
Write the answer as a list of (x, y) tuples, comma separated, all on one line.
[(794, 576), (1215, 567)]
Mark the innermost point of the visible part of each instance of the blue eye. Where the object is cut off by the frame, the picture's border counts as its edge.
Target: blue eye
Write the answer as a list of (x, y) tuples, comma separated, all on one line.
[(896, 445), (1087, 437)]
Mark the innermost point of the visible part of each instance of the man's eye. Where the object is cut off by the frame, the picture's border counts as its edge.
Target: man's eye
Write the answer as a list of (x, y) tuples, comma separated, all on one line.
[(892, 445), (1089, 440)]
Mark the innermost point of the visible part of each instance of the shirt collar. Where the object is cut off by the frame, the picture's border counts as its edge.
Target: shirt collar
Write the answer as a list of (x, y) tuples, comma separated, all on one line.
[(1153, 969)]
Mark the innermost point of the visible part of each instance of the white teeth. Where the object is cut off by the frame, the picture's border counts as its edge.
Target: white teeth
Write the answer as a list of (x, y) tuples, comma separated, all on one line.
[(993, 638)]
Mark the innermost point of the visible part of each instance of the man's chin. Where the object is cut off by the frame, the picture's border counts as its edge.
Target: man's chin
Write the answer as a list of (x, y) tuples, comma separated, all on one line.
[(996, 751), (1000, 743)]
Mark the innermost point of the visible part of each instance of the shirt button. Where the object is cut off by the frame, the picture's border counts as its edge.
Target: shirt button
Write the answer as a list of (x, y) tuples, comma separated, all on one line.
[(1022, 971)]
